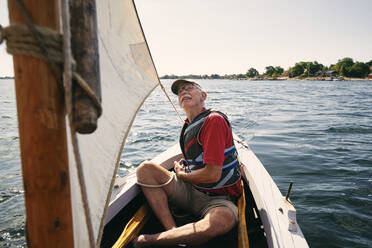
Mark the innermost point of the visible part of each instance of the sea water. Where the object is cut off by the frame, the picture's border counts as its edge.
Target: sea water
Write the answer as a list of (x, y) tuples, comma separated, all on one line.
[(315, 133)]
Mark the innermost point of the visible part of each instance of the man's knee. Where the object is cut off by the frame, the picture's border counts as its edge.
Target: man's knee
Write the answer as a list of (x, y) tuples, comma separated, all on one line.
[(222, 220), (144, 170)]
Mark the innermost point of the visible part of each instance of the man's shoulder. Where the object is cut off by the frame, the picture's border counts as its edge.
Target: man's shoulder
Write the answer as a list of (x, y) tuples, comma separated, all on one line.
[(216, 120), (216, 116)]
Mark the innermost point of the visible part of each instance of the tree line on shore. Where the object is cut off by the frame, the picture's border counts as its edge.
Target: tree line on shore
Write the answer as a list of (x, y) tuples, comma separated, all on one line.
[(345, 67)]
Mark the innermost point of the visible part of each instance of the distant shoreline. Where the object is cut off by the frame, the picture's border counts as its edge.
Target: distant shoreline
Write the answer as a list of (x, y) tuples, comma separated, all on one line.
[(280, 79), (270, 79), (308, 79)]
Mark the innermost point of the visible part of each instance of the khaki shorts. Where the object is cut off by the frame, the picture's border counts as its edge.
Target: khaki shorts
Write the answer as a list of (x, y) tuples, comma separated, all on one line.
[(189, 199)]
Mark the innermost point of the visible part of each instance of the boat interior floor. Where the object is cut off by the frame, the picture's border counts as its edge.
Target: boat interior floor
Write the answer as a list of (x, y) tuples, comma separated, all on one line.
[(255, 230)]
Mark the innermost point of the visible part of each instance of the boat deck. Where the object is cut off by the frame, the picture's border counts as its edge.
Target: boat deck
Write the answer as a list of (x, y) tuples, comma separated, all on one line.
[(255, 230)]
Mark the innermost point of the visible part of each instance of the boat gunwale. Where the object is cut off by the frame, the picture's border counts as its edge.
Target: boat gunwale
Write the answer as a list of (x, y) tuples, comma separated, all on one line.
[(271, 204)]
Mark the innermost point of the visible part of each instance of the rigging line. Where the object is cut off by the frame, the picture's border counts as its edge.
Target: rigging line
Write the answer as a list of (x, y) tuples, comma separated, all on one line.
[(166, 94), (152, 60), (68, 101)]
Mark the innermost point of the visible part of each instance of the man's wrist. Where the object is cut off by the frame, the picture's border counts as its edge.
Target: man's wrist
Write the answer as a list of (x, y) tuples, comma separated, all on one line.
[(183, 176)]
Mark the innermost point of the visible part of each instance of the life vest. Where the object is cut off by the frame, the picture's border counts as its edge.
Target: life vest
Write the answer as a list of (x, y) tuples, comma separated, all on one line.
[(194, 154)]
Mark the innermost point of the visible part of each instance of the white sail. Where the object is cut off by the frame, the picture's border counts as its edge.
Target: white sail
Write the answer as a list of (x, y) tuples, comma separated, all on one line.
[(127, 78)]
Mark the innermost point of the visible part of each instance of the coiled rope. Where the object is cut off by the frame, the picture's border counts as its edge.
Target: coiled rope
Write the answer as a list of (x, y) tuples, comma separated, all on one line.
[(156, 185), (46, 44)]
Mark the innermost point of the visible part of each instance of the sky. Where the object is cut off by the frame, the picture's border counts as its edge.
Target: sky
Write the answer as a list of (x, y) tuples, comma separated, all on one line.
[(230, 36)]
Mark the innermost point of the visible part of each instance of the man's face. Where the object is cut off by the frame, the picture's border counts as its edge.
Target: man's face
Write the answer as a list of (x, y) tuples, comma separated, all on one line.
[(190, 96)]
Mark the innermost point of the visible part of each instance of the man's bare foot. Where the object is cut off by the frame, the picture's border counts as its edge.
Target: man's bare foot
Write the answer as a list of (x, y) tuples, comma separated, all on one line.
[(140, 241)]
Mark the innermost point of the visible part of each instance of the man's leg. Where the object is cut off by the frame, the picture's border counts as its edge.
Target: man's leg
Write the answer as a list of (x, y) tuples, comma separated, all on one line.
[(217, 221), (153, 174)]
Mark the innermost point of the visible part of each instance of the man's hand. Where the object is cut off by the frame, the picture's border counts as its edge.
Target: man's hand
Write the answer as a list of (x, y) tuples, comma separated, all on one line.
[(208, 174), (180, 170)]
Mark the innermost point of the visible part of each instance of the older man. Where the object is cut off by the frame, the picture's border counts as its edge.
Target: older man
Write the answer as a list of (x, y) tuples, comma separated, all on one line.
[(206, 183)]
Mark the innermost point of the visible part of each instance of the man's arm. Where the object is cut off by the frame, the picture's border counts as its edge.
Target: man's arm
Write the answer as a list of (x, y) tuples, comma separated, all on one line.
[(208, 174), (213, 137)]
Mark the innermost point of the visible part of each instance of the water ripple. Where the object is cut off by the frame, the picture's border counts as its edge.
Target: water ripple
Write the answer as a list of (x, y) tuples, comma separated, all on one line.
[(347, 130)]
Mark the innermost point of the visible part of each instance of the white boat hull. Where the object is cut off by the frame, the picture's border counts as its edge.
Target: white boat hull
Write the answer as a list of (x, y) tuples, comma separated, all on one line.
[(277, 215)]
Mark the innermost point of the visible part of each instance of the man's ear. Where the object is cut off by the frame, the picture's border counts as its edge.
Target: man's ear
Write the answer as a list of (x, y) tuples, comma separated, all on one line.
[(204, 95)]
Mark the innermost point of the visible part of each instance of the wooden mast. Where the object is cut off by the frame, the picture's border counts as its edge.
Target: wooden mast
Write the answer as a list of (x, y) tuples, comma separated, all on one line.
[(42, 135)]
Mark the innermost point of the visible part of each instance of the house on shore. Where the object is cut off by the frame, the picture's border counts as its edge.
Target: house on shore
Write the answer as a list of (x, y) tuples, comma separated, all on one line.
[(330, 73)]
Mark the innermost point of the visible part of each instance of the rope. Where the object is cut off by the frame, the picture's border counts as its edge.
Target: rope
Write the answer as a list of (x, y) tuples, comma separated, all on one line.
[(174, 107), (88, 91), (46, 44), (155, 185), (20, 40), (37, 36)]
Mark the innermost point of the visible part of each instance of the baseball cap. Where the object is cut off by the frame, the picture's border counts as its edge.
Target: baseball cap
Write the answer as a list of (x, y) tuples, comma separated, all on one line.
[(177, 83)]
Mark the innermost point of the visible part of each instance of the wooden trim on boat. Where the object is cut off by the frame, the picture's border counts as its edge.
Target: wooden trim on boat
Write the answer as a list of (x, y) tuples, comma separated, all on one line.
[(243, 241), (133, 227), (43, 141)]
